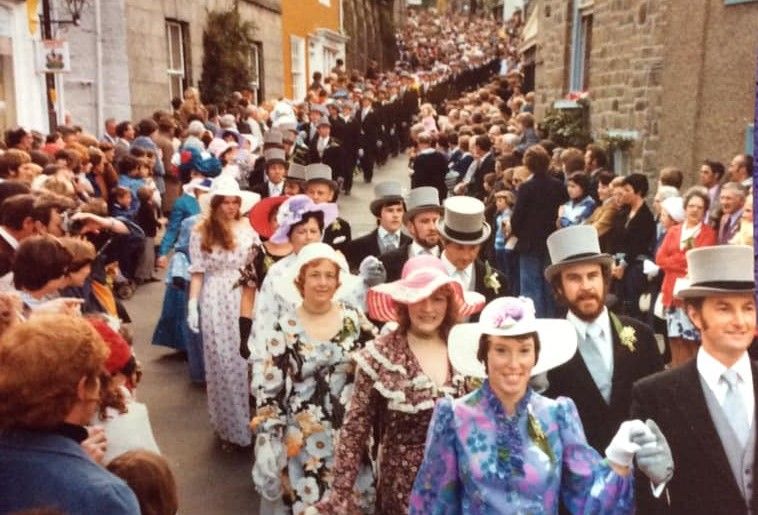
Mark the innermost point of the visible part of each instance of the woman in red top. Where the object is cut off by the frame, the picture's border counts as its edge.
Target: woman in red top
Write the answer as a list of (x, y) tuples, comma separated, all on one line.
[(679, 239)]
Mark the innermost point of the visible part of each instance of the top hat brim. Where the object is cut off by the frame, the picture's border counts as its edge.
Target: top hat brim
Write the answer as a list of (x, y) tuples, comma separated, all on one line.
[(705, 291), (601, 259), (322, 180), (456, 238), (276, 160), (410, 213), (377, 204)]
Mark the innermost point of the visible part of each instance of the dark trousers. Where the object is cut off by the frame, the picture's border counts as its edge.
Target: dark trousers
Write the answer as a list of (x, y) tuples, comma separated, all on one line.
[(367, 164)]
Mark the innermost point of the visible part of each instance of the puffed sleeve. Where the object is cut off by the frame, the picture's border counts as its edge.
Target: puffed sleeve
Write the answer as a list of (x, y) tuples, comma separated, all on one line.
[(437, 488), (197, 264), (588, 483)]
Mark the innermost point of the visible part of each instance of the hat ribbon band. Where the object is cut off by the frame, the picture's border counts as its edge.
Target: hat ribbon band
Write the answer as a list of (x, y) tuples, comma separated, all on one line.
[(461, 235), (725, 285), (581, 256)]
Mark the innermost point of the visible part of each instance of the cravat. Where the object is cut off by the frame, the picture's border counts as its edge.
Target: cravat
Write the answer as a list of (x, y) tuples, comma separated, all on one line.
[(733, 407), (389, 242), (590, 351), (462, 277)]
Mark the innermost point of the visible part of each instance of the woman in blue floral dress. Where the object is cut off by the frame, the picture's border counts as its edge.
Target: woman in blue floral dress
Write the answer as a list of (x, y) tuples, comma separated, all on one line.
[(304, 386), (506, 449)]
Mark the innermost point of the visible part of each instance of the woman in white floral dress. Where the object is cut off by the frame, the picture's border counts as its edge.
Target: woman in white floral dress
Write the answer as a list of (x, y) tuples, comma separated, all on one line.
[(304, 388), (218, 248)]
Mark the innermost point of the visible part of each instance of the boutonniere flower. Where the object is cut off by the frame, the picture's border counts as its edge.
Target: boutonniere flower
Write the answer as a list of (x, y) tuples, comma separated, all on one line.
[(336, 225), (627, 334), (490, 279)]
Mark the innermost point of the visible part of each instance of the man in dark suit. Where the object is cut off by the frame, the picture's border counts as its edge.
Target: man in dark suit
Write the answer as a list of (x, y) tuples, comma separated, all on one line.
[(320, 187), (532, 221), (369, 137), (429, 166), (423, 211), (350, 144), (276, 170), (463, 231), (388, 207), (599, 377), (16, 224), (706, 407), (325, 149), (473, 184), (732, 200)]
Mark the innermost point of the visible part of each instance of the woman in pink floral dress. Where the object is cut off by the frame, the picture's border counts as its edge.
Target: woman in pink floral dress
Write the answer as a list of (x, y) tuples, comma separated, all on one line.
[(401, 375)]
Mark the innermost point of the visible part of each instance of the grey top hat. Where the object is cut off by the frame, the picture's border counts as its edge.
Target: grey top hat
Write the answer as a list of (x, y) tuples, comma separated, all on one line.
[(387, 192), (273, 137), (319, 172), (296, 172), (423, 198), (319, 109), (574, 245), (722, 269), (463, 221), (274, 155), (324, 121)]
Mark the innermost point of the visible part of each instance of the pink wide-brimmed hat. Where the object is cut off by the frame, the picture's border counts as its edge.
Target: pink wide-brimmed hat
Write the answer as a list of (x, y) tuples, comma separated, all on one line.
[(421, 277)]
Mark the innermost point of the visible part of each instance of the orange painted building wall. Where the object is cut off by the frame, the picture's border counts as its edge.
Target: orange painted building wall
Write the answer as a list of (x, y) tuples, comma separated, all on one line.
[(301, 18)]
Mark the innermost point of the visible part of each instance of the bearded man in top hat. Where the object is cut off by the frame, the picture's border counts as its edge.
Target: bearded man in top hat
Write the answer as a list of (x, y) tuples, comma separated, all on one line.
[(422, 212), (463, 231), (614, 351), (388, 207), (706, 407)]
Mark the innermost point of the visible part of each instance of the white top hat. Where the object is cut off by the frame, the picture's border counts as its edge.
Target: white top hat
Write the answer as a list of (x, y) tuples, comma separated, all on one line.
[(463, 221), (511, 316), (423, 198), (722, 269), (387, 192), (227, 186), (573, 245)]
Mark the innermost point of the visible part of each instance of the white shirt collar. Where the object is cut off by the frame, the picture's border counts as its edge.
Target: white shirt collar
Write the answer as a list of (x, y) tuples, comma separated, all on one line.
[(604, 321), (418, 250), (276, 187), (13, 242), (467, 272), (711, 369), (384, 232)]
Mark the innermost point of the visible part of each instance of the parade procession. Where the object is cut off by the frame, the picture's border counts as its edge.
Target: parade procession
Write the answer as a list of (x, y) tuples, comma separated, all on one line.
[(378, 257)]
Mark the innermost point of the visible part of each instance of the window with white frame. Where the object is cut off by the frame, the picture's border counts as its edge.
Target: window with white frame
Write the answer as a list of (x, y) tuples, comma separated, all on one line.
[(297, 51), (581, 45), (177, 69), (256, 71)]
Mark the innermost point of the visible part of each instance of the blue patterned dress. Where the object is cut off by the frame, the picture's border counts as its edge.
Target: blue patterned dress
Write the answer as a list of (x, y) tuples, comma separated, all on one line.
[(480, 461)]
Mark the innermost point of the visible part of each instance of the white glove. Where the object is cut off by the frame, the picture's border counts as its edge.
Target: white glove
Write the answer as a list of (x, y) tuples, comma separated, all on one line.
[(193, 316), (270, 459), (372, 271), (622, 448), (360, 152)]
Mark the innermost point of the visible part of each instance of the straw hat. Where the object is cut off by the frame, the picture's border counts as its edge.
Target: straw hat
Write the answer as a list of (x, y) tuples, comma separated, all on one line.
[(718, 270), (293, 210), (227, 186), (421, 276), (463, 221), (423, 198), (511, 316), (260, 215), (574, 245), (387, 192)]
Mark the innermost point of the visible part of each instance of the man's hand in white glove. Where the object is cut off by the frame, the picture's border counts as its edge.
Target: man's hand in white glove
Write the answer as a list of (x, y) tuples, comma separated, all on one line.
[(654, 459), (622, 448), (193, 316), (372, 271)]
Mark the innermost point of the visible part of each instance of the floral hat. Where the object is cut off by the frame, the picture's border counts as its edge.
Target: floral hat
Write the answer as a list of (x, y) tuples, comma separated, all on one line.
[(511, 316), (260, 215), (421, 277), (292, 211)]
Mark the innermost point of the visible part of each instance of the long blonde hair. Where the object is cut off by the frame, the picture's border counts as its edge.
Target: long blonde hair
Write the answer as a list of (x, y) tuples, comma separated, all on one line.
[(214, 230)]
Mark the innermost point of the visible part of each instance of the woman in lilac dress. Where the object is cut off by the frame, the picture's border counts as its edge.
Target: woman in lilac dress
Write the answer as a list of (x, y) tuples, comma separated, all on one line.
[(504, 448)]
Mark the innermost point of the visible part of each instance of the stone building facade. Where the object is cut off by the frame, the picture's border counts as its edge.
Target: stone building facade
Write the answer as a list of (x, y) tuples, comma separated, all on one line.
[(151, 50), (677, 77)]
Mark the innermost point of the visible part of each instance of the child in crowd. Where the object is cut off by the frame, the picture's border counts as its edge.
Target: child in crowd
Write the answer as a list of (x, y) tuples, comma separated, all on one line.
[(580, 204), (147, 219), (149, 476), (121, 204), (506, 258), (131, 175)]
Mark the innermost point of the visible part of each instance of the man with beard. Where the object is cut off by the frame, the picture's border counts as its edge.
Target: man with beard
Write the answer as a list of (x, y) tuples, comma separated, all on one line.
[(423, 211), (614, 351)]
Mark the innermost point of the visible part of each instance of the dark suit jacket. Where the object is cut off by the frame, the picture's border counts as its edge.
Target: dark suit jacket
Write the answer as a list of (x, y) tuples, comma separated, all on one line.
[(573, 379), (395, 260), (369, 131), (476, 187), (635, 238), (338, 234), (429, 169), (331, 157), (368, 245), (536, 211), (489, 292), (262, 189), (703, 482), (7, 256)]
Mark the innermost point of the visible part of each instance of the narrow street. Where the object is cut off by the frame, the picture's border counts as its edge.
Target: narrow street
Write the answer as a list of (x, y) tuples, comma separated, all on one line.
[(210, 480)]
